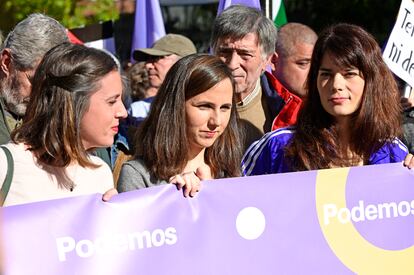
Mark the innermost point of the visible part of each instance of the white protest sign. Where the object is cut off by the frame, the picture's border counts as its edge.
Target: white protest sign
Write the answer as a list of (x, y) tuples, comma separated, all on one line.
[(399, 52)]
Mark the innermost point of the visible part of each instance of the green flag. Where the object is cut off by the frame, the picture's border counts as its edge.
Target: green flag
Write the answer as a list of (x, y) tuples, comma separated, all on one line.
[(279, 13)]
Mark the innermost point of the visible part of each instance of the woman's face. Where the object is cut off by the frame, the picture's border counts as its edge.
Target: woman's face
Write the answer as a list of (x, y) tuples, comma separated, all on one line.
[(340, 89), (207, 115), (100, 122)]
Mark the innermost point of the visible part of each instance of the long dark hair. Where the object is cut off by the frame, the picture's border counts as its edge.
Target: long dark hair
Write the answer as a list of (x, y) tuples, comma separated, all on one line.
[(315, 144), (63, 83), (162, 140)]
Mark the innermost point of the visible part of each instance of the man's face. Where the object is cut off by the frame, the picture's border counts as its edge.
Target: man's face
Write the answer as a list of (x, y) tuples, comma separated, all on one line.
[(292, 70), (245, 59), (16, 88), (157, 67)]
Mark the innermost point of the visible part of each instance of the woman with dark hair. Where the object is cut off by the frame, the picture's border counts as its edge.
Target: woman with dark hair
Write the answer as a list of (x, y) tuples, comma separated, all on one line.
[(74, 107), (191, 132), (351, 116)]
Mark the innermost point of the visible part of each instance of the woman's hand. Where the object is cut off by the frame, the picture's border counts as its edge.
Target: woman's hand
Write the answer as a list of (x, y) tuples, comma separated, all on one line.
[(190, 182), (409, 161), (407, 103), (109, 194)]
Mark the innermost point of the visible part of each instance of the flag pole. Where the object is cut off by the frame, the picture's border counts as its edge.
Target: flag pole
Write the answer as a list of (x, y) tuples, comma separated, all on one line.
[(268, 9)]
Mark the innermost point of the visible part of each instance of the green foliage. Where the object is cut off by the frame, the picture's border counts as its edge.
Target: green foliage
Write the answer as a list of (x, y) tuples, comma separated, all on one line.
[(71, 13)]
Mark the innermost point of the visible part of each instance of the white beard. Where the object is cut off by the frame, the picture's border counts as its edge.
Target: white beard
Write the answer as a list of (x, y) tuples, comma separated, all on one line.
[(11, 93)]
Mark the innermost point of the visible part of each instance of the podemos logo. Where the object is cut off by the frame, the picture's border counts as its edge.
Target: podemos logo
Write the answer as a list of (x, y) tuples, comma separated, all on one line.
[(115, 243), (369, 212)]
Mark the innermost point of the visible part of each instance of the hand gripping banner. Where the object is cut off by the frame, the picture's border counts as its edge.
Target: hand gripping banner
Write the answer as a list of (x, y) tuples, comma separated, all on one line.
[(338, 221)]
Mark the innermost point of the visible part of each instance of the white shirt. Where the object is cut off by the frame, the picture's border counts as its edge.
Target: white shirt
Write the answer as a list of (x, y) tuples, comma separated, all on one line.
[(32, 183)]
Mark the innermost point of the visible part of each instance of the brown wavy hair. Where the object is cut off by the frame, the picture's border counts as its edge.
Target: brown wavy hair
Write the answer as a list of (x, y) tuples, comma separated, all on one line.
[(63, 83), (162, 139), (315, 144)]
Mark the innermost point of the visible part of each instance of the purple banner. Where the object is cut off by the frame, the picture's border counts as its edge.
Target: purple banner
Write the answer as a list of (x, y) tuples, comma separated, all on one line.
[(337, 221)]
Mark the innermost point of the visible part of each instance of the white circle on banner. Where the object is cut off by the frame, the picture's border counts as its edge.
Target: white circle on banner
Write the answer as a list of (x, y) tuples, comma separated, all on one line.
[(250, 223)]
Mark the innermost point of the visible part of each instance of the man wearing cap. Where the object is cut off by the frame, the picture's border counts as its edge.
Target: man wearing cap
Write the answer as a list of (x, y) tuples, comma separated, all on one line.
[(158, 61)]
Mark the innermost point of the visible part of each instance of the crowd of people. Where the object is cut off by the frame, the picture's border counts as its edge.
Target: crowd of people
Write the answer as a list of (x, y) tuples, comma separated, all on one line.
[(263, 101)]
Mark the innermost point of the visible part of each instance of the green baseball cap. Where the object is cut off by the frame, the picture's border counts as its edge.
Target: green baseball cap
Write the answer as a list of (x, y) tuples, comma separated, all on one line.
[(167, 45)]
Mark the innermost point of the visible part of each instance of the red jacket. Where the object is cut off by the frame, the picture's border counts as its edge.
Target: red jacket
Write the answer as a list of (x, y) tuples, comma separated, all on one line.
[(286, 114)]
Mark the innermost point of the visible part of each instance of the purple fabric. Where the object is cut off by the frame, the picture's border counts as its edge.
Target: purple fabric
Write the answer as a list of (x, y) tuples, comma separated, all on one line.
[(199, 235), (224, 4), (372, 193), (149, 25)]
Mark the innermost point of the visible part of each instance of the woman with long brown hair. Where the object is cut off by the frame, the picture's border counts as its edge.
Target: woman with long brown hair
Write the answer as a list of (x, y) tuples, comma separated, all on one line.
[(75, 106), (191, 132), (351, 115)]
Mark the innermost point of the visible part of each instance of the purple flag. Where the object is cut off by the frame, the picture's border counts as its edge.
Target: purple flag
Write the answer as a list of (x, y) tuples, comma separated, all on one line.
[(149, 25), (357, 220), (224, 4)]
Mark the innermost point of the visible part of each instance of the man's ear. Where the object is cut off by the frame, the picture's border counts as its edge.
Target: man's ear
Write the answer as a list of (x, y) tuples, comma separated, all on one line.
[(267, 64), (273, 61), (5, 61)]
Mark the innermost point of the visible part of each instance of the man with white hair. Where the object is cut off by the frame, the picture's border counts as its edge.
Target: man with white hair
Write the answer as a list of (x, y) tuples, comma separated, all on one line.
[(245, 40), (22, 50)]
